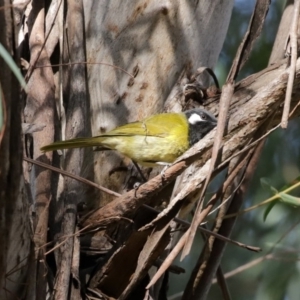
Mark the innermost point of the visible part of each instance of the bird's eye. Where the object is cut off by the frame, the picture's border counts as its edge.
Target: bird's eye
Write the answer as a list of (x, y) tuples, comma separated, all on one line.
[(203, 116)]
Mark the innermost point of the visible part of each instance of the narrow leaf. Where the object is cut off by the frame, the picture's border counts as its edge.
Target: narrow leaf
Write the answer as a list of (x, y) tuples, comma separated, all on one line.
[(265, 183), (12, 65), (289, 199), (269, 208)]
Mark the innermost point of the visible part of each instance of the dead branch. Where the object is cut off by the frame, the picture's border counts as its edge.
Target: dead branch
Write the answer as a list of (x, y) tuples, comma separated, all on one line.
[(77, 122), (267, 89)]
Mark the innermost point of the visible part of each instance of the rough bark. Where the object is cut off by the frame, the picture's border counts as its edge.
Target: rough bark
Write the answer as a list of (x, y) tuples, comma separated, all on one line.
[(154, 42), (15, 228), (76, 124), (161, 44)]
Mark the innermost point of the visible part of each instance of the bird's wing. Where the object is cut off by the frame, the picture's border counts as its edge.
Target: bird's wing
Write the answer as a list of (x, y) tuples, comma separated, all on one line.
[(153, 126), (138, 128)]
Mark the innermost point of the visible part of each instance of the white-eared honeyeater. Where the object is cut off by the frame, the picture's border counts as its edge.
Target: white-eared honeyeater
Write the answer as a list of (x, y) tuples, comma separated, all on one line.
[(158, 139)]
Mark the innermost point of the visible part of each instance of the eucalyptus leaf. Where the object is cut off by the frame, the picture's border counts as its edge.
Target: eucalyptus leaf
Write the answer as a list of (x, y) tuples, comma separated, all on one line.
[(269, 208), (289, 199), (12, 65), (265, 183)]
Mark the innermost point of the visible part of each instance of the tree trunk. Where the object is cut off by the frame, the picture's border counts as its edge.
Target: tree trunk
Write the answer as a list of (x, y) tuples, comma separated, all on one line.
[(15, 206), (138, 55)]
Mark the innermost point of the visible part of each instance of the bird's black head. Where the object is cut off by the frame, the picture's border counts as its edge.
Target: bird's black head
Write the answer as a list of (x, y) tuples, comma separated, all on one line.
[(200, 123)]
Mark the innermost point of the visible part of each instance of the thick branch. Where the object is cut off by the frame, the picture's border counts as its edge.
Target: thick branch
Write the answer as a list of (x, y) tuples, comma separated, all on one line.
[(255, 99)]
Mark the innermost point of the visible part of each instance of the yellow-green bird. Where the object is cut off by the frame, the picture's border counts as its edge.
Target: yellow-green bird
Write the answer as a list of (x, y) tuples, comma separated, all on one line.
[(158, 139)]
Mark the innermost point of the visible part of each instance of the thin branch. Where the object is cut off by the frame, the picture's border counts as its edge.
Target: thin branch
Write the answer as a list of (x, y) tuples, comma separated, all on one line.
[(269, 255), (206, 231), (33, 65), (76, 177), (292, 71), (222, 283), (85, 63), (226, 96), (269, 200), (110, 192), (242, 55)]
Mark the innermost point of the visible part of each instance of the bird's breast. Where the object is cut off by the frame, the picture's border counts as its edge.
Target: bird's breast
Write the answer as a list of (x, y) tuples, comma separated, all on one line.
[(149, 148)]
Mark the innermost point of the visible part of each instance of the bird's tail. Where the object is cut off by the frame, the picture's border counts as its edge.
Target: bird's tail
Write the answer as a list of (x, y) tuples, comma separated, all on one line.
[(74, 143)]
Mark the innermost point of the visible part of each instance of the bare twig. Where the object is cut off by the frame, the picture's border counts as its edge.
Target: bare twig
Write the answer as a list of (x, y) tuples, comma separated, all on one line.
[(76, 177), (33, 63), (222, 283), (294, 53), (254, 29), (204, 274), (227, 92), (179, 221), (269, 255)]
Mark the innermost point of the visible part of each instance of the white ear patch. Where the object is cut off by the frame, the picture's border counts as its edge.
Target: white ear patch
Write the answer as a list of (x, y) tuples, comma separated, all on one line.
[(194, 119)]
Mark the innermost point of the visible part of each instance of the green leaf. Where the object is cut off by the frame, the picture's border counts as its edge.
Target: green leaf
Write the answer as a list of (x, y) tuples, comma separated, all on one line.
[(289, 199), (12, 65), (269, 208), (265, 183)]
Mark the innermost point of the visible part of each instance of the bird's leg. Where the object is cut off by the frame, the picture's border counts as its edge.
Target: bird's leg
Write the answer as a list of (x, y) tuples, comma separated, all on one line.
[(166, 166), (139, 171)]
